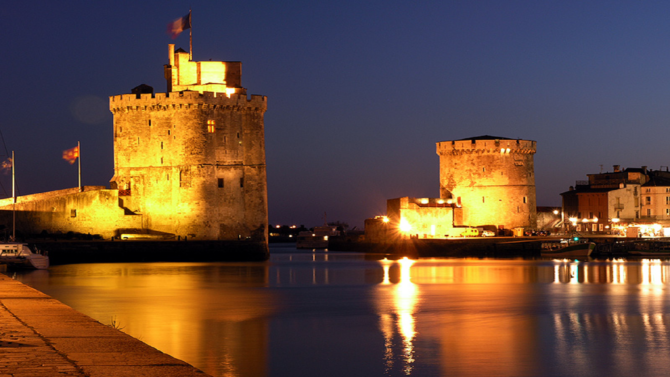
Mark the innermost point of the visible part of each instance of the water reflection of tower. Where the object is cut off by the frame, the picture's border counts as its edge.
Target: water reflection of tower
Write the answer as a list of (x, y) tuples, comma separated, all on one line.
[(396, 313)]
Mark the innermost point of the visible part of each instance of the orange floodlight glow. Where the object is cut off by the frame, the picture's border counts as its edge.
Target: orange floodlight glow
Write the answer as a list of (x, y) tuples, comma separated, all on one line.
[(404, 225)]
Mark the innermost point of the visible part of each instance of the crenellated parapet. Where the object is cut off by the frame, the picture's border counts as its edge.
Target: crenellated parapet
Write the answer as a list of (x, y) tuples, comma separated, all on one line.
[(187, 100), (486, 146)]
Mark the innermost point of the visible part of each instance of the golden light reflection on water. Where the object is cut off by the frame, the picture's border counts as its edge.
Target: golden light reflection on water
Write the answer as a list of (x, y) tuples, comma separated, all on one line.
[(404, 300), (488, 317), (648, 272), (460, 317), (212, 316)]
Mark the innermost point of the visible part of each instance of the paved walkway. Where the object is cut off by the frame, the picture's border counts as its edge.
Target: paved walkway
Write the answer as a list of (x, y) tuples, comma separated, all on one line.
[(40, 336)]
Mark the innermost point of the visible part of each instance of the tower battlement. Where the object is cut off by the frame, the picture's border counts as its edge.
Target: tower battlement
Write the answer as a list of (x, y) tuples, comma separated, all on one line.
[(187, 99), (486, 146)]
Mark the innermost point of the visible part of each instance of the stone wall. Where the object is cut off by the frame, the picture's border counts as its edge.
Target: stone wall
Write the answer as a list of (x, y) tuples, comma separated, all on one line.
[(94, 211), (492, 179)]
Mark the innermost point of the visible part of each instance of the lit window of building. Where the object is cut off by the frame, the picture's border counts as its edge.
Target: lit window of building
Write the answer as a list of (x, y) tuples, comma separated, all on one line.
[(211, 126)]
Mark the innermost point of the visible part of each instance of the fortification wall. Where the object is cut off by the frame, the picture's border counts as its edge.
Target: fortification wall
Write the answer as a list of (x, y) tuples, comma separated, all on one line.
[(92, 211), (493, 180), (193, 164)]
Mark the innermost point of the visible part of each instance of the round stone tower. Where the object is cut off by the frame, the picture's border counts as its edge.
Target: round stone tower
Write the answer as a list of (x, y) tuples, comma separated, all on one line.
[(492, 179), (191, 162)]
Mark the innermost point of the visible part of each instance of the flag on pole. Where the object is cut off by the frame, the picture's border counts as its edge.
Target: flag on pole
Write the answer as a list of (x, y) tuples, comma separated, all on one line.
[(175, 27), (6, 166), (71, 155)]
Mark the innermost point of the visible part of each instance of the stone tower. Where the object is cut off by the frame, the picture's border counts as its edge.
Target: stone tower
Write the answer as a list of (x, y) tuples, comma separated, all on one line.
[(191, 162), (492, 178)]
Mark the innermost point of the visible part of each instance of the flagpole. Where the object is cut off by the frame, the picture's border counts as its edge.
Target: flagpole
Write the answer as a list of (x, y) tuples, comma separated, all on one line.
[(79, 155), (13, 200), (190, 36)]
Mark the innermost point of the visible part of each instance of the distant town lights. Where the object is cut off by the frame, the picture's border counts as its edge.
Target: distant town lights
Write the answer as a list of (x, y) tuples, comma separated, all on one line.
[(424, 201)]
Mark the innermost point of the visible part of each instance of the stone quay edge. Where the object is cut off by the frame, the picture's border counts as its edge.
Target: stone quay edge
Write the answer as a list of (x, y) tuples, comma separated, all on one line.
[(40, 336)]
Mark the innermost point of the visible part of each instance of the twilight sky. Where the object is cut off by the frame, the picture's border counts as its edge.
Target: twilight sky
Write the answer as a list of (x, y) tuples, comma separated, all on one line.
[(358, 92)]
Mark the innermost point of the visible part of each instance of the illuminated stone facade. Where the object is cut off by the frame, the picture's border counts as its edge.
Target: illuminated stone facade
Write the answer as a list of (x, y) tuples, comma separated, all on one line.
[(492, 178), (193, 162), (187, 163)]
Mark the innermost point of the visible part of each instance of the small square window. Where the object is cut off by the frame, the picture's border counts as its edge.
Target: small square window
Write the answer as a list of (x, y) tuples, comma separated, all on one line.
[(211, 126), (73, 213), (220, 182)]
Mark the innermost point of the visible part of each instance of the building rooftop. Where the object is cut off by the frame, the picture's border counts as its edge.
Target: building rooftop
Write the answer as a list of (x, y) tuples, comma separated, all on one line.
[(589, 190), (657, 181)]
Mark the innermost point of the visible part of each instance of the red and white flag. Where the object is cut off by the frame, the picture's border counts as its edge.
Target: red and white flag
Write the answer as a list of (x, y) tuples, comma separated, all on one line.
[(6, 166), (175, 27), (71, 155)]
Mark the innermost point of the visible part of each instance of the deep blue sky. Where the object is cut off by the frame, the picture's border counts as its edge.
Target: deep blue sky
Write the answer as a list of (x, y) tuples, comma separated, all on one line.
[(359, 92)]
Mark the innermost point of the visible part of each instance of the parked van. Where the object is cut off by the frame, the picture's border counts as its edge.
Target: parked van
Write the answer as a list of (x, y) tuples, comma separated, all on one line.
[(464, 232)]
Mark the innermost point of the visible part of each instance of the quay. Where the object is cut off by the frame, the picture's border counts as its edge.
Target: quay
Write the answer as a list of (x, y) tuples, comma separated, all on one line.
[(498, 247), (121, 251), (40, 336), (493, 247)]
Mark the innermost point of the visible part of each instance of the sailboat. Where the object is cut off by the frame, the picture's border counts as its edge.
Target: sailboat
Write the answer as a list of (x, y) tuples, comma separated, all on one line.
[(18, 254)]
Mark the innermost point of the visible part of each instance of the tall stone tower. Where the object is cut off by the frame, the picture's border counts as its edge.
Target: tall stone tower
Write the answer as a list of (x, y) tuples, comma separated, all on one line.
[(191, 162), (492, 178)]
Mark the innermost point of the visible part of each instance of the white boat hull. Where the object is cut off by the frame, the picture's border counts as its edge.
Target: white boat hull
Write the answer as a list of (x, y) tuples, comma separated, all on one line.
[(20, 256)]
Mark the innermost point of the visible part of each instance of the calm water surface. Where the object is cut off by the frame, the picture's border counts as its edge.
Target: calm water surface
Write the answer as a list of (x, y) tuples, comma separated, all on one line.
[(341, 314)]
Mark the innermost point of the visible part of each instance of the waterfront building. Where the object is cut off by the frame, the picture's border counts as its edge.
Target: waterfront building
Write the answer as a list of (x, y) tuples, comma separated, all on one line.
[(655, 193), (188, 163), (623, 197)]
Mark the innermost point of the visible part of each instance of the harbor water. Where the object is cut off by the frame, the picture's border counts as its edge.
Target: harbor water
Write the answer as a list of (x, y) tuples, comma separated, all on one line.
[(305, 313)]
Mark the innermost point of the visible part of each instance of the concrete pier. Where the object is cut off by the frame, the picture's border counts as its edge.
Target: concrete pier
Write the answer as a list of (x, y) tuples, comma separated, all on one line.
[(40, 336)]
